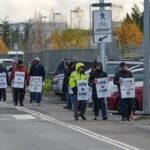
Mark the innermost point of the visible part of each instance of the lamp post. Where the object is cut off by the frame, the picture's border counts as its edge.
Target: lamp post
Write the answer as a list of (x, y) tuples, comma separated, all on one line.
[(44, 30), (54, 19), (71, 12), (146, 93)]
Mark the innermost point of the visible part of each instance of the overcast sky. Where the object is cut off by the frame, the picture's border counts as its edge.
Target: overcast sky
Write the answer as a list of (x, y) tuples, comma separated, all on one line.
[(23, 10)]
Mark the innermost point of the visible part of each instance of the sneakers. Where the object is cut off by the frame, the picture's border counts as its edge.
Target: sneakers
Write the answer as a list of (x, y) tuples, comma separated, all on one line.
[(105, 118), (95, 118), (82, 116)]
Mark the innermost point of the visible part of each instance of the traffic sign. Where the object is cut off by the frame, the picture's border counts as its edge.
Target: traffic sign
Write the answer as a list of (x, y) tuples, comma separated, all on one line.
[(102, 26)]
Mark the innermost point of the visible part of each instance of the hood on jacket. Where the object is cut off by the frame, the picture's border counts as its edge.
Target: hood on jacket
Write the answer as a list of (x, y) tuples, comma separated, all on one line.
[(78, 65)]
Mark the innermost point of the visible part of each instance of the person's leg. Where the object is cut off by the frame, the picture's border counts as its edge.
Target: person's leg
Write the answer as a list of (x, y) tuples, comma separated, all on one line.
[(103, 108), (4, 94), (76, 107), (124, 109), (82, 109), (0, 94), (21, 96), (129, 107), (15, 96), (96, 108)]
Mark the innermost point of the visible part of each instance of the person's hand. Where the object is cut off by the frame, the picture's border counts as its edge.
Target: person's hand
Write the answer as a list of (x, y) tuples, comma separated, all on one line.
[(95, 81)]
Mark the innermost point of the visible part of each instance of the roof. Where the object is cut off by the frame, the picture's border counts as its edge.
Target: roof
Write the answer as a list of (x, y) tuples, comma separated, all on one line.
[(15, 52)]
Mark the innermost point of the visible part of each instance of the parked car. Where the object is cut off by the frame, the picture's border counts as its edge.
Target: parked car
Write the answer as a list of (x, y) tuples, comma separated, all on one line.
[(7, 62)]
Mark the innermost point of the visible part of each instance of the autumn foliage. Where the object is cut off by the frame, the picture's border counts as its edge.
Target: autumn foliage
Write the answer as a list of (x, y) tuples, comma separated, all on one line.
[(74, 38), (3, 47), (129, 34)]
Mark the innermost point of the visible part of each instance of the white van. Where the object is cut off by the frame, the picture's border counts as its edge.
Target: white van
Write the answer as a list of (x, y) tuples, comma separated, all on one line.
[(7, 62)]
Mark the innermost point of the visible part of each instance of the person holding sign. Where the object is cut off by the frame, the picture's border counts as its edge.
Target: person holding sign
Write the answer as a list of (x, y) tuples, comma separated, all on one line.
[(99, 82), (37, 73), (122, 76), (18, 76), (3, 81), (79, 85)]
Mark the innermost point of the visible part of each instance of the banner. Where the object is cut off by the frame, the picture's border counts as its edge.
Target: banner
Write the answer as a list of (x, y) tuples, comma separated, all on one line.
[(83, 90), (102, 87), (3, 81), (35, 84), (19, 80), (127, 88)]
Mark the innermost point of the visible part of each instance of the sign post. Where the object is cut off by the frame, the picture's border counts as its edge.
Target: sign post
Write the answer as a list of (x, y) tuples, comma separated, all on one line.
[(102, 28)]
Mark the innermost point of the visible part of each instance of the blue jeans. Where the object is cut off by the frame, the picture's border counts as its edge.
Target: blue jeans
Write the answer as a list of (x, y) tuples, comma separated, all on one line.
[(36, 96)]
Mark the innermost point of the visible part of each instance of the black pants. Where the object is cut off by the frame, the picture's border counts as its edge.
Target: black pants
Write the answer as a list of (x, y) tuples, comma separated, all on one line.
[(3, 94), (126, 107), (79, 107), (99, 103), (19, 96)]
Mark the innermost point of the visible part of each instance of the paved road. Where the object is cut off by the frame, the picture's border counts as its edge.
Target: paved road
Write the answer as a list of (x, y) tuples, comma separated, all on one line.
[(51, 127)]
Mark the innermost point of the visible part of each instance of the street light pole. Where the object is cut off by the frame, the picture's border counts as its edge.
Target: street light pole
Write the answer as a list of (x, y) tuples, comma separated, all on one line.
[(54, 20), (146, 94), (71, 12)]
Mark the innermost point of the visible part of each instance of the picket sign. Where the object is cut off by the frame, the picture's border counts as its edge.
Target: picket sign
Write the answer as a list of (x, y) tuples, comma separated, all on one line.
[(83, 90), (35, 84), (102, 87), (3, 81), (127, 88), (19, 80)]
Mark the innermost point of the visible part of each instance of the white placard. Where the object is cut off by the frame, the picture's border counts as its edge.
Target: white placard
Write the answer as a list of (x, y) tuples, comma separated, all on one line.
[(83, 90), (127, 88), (3, 81), (102, 87), (35, 84), (19, 80)]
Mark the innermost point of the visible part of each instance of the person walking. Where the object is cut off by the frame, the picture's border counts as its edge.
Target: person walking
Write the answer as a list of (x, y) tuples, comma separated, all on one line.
[(66, 89), (18, 76), (36, 70), (126, 103), (79, 105), (4, 75), (99, 103)]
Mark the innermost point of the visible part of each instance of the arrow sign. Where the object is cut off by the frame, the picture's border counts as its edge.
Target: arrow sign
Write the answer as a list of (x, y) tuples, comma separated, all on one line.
[(102, 38)]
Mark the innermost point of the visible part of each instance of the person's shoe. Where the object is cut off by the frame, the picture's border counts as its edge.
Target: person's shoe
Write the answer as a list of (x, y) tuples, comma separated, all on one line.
[(123, 119), (128, 119), (21, 105), (95, 118), (105, 118), (66, 107), (82, 116), (76, 119)]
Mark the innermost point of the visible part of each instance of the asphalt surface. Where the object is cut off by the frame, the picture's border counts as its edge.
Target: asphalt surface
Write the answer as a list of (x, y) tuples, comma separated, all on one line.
[(49, 126)]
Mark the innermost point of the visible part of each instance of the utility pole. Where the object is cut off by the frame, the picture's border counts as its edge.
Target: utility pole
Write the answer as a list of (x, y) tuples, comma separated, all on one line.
[(146, 93), (102, 46)]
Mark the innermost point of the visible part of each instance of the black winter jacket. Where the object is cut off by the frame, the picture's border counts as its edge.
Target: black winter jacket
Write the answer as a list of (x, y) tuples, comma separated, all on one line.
[(121, 74), (37, 71), (95, 75)]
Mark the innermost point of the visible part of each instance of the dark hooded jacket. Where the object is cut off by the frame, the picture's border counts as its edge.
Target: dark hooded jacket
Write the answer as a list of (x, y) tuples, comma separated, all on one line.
[(95, 75)]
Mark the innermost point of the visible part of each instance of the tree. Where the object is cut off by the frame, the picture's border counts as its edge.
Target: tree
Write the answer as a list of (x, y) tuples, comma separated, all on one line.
[(136, 17), (3, 47), (67, 39), (6, 32), (129, 34)]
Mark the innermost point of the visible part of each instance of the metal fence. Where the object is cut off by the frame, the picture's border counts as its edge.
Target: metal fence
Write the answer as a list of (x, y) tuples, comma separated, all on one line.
[(51, 58)]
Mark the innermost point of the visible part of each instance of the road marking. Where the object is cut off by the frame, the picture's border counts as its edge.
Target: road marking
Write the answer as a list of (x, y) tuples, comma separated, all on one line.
[(81, 130), (24, 117)]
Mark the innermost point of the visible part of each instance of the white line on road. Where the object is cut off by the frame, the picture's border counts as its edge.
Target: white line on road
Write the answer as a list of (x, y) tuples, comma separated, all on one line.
[(81, 130)]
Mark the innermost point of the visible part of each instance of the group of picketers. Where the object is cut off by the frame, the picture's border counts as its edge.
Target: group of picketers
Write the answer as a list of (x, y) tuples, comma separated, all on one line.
[(76, 86), (18, 77)]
